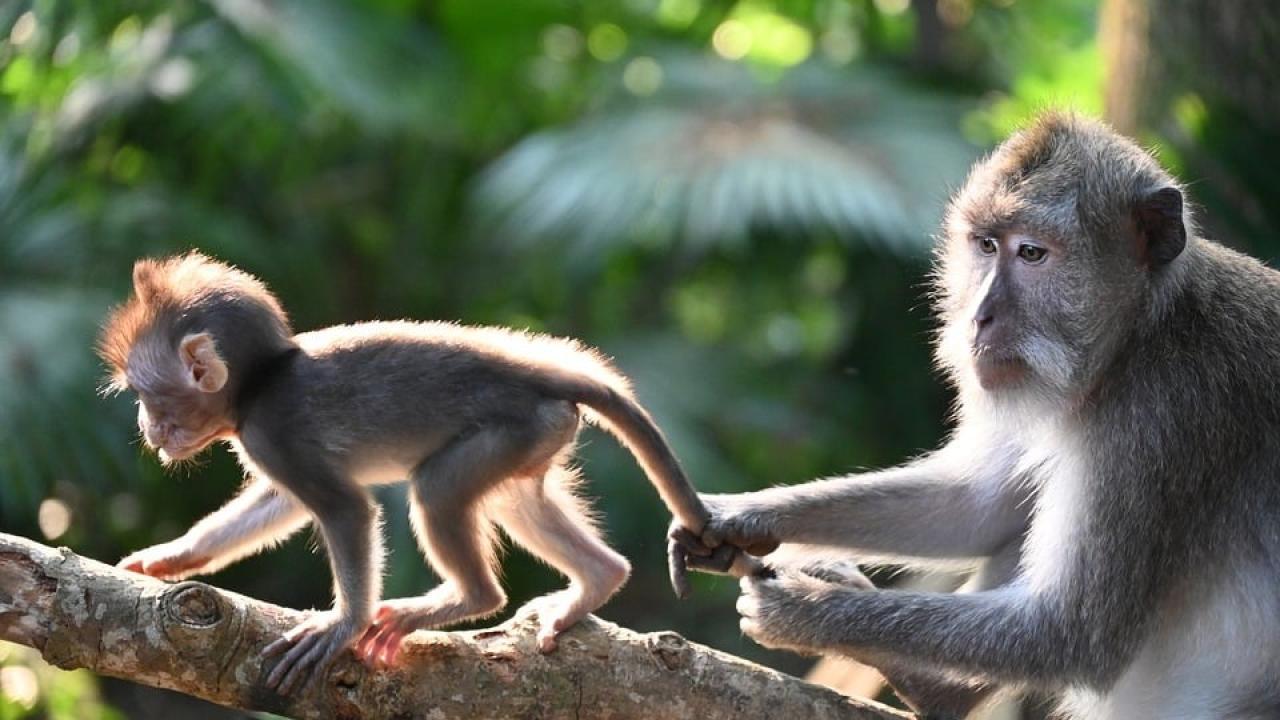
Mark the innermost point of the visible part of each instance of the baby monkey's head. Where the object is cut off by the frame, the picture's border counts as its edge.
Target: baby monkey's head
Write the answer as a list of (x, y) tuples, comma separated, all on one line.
[(184, 342)]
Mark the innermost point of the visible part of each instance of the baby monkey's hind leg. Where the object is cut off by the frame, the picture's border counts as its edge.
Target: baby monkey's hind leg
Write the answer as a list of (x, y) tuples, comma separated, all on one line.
[(448, 510), (457, 540), (551, 522)]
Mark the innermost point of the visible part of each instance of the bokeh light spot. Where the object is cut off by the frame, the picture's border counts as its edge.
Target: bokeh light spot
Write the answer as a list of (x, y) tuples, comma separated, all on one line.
[(54, 518), (643, 76), (23, 29), (732, 40), (562, 43), (607, 42), (19, 685), (892, 7)]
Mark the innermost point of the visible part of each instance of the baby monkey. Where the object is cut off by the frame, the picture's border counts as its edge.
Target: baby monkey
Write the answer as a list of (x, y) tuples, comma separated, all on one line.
[(481, 421)]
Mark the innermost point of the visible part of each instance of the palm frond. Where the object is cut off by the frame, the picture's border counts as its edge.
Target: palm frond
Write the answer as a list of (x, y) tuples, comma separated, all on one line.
[(707, 164)]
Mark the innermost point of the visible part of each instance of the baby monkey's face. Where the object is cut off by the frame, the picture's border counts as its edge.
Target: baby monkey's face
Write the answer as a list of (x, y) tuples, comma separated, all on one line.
[(182, 405), (178, 423)]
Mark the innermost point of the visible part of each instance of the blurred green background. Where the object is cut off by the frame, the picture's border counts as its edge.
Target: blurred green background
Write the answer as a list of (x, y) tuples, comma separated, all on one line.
[(734, 199)]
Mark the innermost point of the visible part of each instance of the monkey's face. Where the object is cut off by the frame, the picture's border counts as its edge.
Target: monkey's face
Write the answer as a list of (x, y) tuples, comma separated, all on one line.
[(1049, 257), (178, 424), (182, 408), (1009, 307)]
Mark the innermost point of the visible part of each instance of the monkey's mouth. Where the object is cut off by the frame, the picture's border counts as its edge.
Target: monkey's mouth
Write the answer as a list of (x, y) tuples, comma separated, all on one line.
[(174, 452), (996, 368)]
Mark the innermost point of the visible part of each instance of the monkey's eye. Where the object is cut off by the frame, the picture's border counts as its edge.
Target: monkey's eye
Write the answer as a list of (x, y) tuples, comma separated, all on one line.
[(1031, 254), (986, 244)]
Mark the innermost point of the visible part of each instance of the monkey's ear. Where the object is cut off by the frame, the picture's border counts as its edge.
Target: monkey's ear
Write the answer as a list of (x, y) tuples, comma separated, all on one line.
[(205, 368), (1161, 233), (144, 280)]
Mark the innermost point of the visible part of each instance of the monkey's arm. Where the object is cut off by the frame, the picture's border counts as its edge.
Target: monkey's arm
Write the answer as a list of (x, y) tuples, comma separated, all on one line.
[(1005, 635), (1079, 624), (937, 507), (256, 518)]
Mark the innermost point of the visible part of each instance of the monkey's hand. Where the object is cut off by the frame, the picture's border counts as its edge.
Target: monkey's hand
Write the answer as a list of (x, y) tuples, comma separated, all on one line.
[(174, 560), (311, 647), (736, 521), (719, 549), (787, 611)]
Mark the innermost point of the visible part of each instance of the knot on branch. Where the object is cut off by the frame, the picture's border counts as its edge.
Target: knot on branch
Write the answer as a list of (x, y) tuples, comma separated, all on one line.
[(192, 615), (670, 649)]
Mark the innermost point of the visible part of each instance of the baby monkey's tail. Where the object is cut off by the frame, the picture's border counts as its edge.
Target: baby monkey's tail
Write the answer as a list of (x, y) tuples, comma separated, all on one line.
[(627, 420)]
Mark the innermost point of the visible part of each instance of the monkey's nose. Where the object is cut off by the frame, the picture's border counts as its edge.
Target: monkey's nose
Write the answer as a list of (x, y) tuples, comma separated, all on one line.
[(983, 325)]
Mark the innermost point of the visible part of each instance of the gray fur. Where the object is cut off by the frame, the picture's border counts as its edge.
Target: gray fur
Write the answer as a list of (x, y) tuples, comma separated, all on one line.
[(1134, 458), (482, 422)]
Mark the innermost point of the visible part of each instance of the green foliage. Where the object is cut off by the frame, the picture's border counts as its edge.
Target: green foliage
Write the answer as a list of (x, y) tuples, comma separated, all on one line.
[(31, 688), (1048, 54)]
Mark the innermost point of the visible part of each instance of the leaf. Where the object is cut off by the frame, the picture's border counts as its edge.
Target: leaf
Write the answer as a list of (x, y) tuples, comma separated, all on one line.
[(705, 167)]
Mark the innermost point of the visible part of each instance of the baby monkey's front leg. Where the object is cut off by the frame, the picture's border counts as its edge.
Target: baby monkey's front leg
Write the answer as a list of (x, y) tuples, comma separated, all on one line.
[(258, 517), (350, 531)]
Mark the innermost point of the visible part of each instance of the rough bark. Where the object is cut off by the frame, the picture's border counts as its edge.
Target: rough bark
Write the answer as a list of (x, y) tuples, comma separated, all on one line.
[(204, 642)]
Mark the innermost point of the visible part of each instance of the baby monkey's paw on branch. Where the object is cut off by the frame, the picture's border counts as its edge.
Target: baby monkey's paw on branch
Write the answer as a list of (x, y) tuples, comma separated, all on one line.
[(309, 648), (167, 561), (379, 646)]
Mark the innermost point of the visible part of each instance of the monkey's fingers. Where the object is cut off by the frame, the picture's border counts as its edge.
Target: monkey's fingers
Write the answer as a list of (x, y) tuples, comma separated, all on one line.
[(284, 674), (724, 560), (847, 574), (381, 643), (689, 540)]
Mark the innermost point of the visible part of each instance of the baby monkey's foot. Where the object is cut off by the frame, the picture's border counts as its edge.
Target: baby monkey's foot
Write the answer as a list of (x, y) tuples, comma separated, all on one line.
[(561, 610), (395, 619), (309, 648)]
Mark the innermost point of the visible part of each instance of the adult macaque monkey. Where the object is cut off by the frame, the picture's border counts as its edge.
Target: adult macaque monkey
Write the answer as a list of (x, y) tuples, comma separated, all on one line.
[(1115, 464), (480, 420)]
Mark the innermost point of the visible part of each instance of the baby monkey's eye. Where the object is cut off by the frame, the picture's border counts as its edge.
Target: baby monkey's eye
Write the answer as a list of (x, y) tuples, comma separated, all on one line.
[(1032, 254), (986, 244)]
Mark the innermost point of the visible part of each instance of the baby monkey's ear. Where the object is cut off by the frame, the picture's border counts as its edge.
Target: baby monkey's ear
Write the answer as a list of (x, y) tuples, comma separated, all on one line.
[(204, 366)]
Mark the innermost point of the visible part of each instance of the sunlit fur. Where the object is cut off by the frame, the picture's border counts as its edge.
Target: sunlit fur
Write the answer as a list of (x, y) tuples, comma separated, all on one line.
[(173, 296)]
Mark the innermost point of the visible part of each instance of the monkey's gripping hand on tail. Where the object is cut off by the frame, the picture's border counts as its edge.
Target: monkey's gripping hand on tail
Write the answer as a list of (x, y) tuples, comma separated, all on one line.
[(735, 537), (782, 600), (724, 545)]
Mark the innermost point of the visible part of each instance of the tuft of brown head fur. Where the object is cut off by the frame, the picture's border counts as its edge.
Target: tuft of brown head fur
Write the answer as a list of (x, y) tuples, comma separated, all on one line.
[(182, 294)]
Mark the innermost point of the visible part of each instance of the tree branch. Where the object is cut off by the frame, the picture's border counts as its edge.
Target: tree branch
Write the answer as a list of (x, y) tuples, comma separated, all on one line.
[(204, 642)]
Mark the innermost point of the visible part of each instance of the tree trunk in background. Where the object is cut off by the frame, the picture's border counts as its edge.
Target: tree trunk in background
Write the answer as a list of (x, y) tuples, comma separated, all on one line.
[(1228, 52), (1204, 77)]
